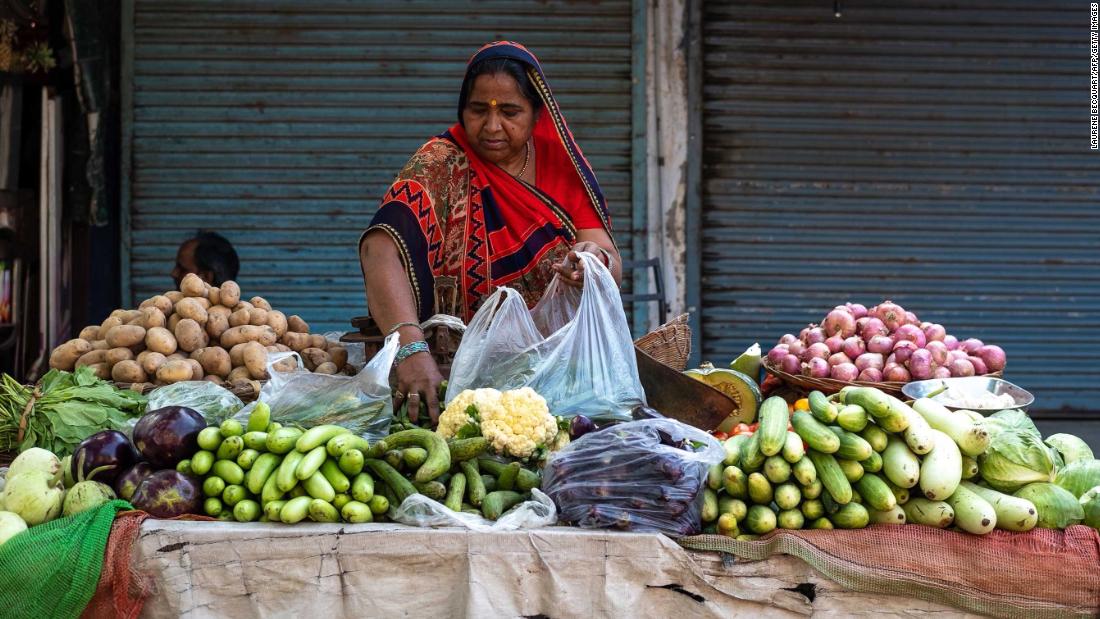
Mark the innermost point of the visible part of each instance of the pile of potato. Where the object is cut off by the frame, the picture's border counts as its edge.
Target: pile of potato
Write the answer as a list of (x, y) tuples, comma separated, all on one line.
[(199, 332)]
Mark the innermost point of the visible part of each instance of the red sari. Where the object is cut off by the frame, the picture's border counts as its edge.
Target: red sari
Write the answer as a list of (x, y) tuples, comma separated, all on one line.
[(463, 226)]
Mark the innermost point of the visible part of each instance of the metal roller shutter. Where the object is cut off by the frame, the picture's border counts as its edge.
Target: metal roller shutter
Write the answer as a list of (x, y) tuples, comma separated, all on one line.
[(279, 124), (933, 153)]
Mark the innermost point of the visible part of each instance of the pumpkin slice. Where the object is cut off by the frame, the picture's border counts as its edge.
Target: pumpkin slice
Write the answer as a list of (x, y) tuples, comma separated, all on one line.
[(740, 388), (748, 362)]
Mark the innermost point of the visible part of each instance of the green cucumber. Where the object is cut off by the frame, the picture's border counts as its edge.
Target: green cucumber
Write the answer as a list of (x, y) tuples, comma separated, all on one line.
[(851, 516), (821, 523), (285, 477), (733, 446), (317, 436), (213, 486), (790, 519), (246, 510), (793, 448), (772, 429), (356, 512), (230, 448), (853, 471), (876, 494), (918, 436), (735, 482), (709, 512), (735, 507), (813, 489), (210, 438), (901, 494), (760, 519), (776, 469), (821, 408), (973, 514), (281, 441), (804, 471), (1013, 513), (319, 488), (245, 459), (899, 464), (969, 467), (812, 509), (852, 446), (872, 464), (751, 456), (883, 407), (270, 491), (255, 440), (264, 466), (351, 462), (760, 490), (431, 489), (819, 437), (875, 436), (787, 496), (202, 462), (852, 418), (714, 476), (413, 457), (323, 511), (507, 478), (259, 418), (311, 463), (929, 513), (831, 475)]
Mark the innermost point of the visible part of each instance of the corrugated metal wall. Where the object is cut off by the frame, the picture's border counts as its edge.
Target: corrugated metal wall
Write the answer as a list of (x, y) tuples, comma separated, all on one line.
[(279, 123), (935, 153)]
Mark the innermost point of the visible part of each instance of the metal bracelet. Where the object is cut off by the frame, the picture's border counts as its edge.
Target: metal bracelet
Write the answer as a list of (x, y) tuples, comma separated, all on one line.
[(409, 350), (403, 324)]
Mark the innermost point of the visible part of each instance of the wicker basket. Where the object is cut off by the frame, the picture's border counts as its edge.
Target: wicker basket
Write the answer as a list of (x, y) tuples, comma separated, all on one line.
[(831, 385), (669, 343)]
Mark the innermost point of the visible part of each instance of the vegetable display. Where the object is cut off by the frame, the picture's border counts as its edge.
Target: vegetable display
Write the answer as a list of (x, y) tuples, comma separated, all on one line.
[(199, 332), (882, 343)]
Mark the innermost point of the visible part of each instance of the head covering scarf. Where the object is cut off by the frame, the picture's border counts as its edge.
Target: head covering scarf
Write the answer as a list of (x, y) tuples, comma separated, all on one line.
[(463, 226)]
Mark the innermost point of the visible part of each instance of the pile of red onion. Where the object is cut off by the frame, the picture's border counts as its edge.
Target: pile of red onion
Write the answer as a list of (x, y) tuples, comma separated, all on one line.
[(884, 343)]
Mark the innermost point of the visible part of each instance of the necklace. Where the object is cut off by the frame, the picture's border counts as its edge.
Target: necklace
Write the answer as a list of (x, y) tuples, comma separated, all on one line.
[(526, 159)]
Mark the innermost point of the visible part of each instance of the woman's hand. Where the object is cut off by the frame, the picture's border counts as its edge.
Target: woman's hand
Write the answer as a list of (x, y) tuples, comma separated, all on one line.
[(571, 270), (418, 380)]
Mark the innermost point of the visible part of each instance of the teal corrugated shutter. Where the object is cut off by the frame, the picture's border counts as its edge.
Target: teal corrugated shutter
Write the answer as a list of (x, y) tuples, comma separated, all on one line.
[(279, 124), (934, 153)]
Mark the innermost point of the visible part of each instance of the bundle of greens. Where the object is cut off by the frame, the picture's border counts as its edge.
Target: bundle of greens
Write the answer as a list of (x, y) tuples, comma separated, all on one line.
[(68, 407)]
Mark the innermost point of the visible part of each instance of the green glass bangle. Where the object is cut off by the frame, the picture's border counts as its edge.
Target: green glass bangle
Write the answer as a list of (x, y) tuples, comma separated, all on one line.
[(409, 350)]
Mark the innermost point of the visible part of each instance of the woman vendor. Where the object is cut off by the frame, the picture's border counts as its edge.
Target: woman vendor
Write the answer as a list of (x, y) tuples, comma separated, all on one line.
[(502, 198)]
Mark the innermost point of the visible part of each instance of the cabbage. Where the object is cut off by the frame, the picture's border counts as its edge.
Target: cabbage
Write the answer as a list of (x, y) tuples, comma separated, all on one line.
[(1079, 477), (1016, 455), (1010, 419), (1070, 447), (1090, 502), (1057, 508)]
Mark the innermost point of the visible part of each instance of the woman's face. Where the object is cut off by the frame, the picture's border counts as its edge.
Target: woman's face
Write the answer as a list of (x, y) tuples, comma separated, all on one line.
[(498, 119)]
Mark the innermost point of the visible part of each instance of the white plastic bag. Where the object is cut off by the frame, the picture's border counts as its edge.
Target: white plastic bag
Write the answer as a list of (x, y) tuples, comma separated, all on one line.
[(419, 511), (216, 403), (574, 348), (361, 403)]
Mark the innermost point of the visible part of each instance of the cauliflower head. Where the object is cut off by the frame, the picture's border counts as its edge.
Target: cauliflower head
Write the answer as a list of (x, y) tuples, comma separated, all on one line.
[(520, 424), (455, 416)]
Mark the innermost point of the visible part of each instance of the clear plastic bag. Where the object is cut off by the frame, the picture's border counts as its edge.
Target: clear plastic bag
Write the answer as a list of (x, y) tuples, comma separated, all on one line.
[(216, 403), (574, 348), (360, 403), (644, 475), (357, 353), (419, 511)]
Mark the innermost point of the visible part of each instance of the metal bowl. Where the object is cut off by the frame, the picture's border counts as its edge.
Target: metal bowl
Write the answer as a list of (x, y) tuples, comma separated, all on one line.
[(969, 387)]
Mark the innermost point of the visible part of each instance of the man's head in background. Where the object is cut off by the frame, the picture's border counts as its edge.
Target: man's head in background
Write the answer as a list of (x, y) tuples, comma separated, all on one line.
[(208, 255)]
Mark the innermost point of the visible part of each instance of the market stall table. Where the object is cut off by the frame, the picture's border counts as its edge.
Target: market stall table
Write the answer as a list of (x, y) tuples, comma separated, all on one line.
[(214, 569)]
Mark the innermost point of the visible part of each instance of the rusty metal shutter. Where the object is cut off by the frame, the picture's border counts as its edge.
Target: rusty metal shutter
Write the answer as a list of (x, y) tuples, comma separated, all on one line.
[(935, 153), (279, 124)]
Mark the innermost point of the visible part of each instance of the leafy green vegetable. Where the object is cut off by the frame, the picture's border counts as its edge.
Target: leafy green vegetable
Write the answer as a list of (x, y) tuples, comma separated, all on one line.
[(1071, 448), (1016, 455), (1057, 508), (1079, 477), (1090, 502), (68, 407)]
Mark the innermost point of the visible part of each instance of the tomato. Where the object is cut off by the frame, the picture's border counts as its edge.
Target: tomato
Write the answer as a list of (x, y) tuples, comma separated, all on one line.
[(720, 435), (802, 404)]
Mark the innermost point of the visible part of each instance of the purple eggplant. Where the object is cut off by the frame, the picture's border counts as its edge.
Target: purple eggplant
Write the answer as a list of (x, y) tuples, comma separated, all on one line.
[(168, 493), (167, 435), (102, 457), (642, 411), (129, 480), (579, 426)]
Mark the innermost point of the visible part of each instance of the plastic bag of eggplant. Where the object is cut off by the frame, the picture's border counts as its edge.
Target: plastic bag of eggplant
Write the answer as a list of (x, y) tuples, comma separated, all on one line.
[(638, 476)]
